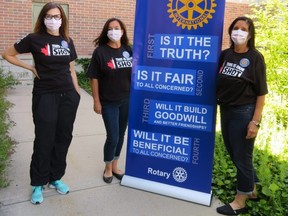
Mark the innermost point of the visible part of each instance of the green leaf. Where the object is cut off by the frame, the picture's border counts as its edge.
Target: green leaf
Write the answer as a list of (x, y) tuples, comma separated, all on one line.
[(274, 187)]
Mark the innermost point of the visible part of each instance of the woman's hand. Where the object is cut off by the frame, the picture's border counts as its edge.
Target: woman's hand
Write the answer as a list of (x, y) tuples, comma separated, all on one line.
[(252, 130), (97, 107), (34, 71)]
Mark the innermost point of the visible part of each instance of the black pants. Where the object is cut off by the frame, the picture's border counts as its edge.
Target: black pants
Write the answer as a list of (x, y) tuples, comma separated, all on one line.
[(234, 123), (53, 115)]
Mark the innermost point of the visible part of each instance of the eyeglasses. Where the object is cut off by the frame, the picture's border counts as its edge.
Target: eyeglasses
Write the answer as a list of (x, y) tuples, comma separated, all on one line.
[(56, 17), (116, 28)]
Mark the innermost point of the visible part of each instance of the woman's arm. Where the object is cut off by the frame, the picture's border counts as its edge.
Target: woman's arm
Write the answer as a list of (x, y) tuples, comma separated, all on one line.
[(10, 55), (95, 94), (260, 102), (74, 77)]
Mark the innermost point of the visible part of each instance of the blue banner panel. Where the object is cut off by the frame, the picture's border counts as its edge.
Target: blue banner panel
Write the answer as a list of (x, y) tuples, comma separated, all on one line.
[(171, 131)]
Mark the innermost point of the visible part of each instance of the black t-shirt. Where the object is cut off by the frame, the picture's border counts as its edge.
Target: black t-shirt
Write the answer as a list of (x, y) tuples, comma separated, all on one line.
[(112, 67), (52, 55), (242, 77)]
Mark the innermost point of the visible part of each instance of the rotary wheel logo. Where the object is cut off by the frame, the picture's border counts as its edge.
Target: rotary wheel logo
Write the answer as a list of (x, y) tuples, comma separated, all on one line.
[(179, 174), (191, 13)]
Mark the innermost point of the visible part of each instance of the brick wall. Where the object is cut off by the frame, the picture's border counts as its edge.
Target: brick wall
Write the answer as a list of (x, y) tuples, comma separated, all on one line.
[(232, 11), (15, 21), (86, 19)]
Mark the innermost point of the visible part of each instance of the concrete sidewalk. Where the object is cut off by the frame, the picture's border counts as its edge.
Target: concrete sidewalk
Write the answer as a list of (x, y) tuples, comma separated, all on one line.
[(89, 195)]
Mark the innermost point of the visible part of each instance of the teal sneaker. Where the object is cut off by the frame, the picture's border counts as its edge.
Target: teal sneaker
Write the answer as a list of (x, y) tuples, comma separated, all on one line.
[(60, 186), (37, 196)]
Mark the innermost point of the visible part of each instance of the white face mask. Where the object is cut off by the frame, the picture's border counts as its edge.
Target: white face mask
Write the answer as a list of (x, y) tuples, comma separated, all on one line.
[(114, 35), (52, 24), (239, 37)]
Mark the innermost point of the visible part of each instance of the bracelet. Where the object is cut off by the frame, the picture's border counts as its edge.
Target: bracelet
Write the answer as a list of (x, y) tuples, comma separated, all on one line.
[(256, 123)]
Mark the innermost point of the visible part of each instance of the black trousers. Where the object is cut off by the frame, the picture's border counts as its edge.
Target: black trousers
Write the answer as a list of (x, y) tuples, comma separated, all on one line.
[(234, 122), (53, 115)]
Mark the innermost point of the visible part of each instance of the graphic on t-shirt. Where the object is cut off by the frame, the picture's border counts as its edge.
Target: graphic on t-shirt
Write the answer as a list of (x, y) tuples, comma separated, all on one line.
[(111, 64), (57, 50), (46, 50), (232, 69), (64, 44), (125, 62), (126, 54), (244, 62)]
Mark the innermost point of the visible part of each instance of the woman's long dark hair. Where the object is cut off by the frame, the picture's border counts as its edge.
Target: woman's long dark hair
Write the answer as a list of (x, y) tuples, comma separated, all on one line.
[(40, 26), (103, 38), (251, 28)]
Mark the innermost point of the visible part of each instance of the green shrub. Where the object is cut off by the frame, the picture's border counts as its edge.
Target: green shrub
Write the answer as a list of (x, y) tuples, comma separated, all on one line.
[(271, 164), (6, 81), (83, 80)]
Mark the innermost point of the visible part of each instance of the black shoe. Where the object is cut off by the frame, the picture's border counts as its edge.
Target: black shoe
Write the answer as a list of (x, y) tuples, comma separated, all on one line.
[(228, 210), (118, 176), (108, 180)]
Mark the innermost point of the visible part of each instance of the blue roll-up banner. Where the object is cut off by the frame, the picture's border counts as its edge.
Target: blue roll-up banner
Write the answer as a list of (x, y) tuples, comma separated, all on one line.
[(171, 130)]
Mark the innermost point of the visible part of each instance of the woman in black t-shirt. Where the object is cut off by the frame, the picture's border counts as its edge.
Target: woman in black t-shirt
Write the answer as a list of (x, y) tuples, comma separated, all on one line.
[(110, 74), (56, 96), (241, 91)]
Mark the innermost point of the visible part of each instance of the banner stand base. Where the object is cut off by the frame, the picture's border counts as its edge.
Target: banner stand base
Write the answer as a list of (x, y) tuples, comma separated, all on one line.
[(167, 190)]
